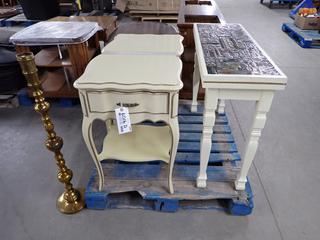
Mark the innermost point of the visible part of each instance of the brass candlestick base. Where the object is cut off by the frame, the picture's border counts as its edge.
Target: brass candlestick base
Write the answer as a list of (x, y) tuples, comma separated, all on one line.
[(71, 201), (75, 205)]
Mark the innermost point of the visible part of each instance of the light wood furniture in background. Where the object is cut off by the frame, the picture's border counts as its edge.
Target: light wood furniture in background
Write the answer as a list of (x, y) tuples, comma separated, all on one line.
[(193, 11), (149, 86), (61, 59), (231, 65)]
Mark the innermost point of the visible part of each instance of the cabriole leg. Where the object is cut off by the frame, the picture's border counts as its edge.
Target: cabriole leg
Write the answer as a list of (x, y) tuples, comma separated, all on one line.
[(174, 126), (88, 139)]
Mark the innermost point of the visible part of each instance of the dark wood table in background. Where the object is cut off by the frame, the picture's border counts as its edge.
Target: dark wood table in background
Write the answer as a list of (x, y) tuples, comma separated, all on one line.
[(194, 11)]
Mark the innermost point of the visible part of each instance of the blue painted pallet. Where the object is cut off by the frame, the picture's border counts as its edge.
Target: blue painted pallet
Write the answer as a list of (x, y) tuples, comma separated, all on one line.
[(223, 143), (190, 124), (2, 22), (305, 38), (19, 19), (281, 3), (25, 100), (144, 185)]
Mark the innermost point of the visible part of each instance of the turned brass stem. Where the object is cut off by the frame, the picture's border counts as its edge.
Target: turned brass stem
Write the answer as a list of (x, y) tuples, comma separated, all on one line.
[(71, 200)]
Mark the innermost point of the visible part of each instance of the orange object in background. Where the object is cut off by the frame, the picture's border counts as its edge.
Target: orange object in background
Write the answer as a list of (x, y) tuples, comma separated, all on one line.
[(307, 11)]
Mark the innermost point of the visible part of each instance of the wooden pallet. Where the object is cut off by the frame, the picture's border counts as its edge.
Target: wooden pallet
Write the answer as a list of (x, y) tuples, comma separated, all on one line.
[(161, 16), (20, 19), (152, 12), (8, 3), (305, 38), (144, 185), (8, 12), (165, 18)]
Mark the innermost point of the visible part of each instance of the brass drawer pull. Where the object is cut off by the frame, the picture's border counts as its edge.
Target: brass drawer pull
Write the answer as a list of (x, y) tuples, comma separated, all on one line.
[(128, 104)]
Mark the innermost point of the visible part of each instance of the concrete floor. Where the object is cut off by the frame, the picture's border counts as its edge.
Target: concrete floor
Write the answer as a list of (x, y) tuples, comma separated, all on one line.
[(284, 176)]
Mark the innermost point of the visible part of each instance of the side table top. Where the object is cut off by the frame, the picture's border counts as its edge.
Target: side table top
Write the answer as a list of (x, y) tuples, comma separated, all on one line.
[(145, 44), (200, 10), (228, 54), (132, 72), (103, 21), (53, 33)]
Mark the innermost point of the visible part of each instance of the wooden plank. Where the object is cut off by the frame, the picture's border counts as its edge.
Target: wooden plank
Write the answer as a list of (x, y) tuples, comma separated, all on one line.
[(49, 57), (184, 109), (158, 18), (159, 172), (194, 158), (154, 12), (195, 137), (215, 148), (198, 119), (197, 128), (7, 12), (52, 81)]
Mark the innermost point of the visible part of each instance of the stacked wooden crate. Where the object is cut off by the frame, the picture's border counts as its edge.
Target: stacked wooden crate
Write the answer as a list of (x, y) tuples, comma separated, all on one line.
[(8, 3), (150, 9)]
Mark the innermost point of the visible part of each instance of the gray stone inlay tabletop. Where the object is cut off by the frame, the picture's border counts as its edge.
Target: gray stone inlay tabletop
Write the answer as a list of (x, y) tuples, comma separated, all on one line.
[(228, 49)]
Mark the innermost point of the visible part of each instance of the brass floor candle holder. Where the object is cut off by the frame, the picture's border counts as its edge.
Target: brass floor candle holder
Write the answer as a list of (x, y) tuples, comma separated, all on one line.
[(71, 200)]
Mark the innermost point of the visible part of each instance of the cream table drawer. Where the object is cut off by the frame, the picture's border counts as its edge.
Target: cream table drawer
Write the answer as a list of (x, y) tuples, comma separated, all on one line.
[(137, 102)]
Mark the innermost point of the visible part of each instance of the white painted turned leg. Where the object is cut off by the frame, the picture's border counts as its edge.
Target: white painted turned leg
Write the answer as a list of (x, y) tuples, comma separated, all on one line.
[(195, 85), (88, 139), (174, 126), (221, 106), (209, 116), (259, 120)]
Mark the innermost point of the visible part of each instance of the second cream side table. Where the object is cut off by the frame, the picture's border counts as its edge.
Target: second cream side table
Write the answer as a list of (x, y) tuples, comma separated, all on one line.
[(165, 44), (149, 86)]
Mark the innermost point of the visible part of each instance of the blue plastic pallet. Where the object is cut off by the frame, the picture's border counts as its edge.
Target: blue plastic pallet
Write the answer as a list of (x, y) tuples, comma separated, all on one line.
[(144, 185), (305, 38), (2, 22), (280, 3), (26, 101), (19, 19)]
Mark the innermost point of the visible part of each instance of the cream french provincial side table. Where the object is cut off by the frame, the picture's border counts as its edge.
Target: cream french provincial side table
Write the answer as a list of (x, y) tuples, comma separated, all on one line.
[(164, 44), (231, 65), (149, 86)]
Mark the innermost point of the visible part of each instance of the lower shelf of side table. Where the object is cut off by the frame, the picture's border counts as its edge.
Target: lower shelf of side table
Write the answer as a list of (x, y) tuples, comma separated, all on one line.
[(144, 143), (54, 85)]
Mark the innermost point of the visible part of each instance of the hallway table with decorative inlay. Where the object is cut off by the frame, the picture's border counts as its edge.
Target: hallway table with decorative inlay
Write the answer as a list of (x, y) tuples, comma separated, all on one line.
[(148, 85), (232, 66)]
